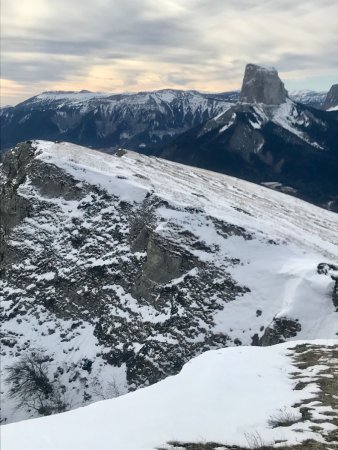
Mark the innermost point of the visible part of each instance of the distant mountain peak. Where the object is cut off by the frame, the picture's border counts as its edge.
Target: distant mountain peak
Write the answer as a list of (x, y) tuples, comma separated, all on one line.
[(331, 100), (262, 85)]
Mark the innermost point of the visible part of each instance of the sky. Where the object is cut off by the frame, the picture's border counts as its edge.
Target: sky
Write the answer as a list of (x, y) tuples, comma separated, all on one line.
[(137, 45)]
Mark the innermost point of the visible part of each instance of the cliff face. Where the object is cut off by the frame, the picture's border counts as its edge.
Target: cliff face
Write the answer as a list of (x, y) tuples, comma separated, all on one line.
[(262, 85), (121, 268), (331, 100)]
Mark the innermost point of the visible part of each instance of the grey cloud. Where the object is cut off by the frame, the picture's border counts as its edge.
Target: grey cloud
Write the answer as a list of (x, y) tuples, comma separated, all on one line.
[(49, 46), (32, 71), (200, 41), (177, 78), (131, 38), (290, 62)]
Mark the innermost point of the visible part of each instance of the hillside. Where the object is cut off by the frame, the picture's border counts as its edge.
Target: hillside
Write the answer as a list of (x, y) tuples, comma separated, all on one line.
[(120, 269)]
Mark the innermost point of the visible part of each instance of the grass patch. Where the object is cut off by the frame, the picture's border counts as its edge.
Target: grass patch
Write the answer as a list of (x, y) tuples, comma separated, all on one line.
[(305, 445), (306, 356)]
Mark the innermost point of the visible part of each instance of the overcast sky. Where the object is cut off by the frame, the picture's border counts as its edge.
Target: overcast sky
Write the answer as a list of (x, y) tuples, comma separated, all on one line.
[(133, 45)]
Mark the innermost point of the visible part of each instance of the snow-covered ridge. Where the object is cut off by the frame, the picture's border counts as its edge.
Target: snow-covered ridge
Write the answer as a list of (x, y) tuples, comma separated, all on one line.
[(70, 95), (307, 96), (137, 98), (287, 115), (240, 387), (181, 183)]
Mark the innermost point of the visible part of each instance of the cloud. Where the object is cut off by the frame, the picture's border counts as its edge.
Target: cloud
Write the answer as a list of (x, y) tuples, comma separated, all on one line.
[(199, 44)]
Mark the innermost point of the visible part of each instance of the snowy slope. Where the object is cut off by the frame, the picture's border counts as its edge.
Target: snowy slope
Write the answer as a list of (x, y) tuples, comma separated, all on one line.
[(273, 213), (138, 264), (226, 396)]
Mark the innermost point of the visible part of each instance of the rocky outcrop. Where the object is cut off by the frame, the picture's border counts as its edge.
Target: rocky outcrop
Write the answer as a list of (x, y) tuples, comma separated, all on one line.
[(280, 330), (262, 85), (331, 100), (76, 258), (331, 270)]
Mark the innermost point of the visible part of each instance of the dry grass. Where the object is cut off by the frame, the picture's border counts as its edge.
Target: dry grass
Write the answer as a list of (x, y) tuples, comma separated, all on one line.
[(305, 445), (304, 357)]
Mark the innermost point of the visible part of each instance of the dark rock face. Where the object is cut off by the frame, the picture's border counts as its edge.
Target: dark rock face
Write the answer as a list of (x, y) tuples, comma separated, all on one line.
[(279, 331), (331, 270), (332, 97), (262, 85)]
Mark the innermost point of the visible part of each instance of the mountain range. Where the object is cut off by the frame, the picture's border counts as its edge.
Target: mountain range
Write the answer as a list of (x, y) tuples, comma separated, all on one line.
[(287, 144), (107, 121)]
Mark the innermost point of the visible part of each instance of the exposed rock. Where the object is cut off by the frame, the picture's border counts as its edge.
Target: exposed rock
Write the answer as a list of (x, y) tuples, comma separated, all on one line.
[(281, 329), (86, 257), (262, 85), (331, 100), (331, 270), (335, 293)]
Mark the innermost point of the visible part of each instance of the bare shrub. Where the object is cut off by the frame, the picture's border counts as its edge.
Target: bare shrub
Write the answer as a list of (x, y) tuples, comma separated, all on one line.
[(254, 440), (31, 387), (283, 418)]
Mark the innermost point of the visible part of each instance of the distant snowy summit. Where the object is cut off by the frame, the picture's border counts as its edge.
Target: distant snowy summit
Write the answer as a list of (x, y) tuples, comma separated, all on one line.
[(309, 97), (262, 85)]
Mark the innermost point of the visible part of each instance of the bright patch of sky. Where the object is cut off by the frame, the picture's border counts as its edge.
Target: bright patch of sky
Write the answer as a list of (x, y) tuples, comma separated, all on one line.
[(134, 45)]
